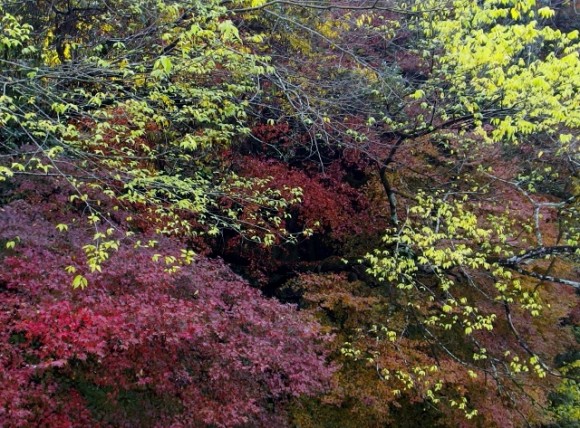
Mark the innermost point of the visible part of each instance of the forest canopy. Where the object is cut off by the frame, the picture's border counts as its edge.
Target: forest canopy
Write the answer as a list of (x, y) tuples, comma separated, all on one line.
[(289, 213)]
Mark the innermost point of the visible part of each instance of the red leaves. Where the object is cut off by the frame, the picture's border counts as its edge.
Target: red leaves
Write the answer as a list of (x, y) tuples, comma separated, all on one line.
[(328, 203), (201, 339), (271, 134)]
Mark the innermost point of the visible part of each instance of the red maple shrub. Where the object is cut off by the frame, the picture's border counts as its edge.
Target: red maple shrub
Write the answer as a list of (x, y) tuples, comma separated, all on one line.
[(337, 216), (140, 346)]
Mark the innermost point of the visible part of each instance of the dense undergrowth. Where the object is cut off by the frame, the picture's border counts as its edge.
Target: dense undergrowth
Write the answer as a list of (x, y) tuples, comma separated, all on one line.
[(309, 213)]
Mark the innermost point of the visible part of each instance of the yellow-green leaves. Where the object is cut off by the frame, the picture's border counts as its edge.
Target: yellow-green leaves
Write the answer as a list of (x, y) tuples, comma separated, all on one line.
[(62, 227), (546, 12), (444, 239), (443, 267), (5, 172), (140, 119), (14, 34), (528, 72), (162, 67), (228, 31), (79, 281), (11, 243)]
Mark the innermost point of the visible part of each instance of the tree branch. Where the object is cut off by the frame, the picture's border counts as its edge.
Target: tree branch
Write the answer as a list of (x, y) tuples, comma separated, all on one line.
[(550, 278), (538, 253)]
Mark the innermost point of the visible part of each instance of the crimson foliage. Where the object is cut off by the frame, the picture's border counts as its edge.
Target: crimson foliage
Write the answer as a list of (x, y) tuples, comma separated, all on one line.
[(140, 346)]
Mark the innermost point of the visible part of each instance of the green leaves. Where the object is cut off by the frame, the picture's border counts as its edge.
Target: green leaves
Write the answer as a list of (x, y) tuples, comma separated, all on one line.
[(142, 115), (14, 34), (528, 72), (162, 67), (229, 32), (79, 281)]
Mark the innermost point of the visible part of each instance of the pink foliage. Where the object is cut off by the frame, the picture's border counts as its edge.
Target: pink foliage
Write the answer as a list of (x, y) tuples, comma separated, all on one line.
[(198, 347)]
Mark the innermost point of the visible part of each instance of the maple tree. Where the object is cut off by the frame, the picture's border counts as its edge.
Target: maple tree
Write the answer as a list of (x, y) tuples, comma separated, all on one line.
[(145, 344)]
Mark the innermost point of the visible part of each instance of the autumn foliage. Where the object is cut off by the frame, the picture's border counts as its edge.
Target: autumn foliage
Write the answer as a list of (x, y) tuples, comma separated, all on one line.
[(245, 213), (141, 346)]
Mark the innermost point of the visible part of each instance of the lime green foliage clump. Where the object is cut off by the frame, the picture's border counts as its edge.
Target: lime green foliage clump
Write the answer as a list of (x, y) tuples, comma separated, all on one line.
[(504, 61), (136, 104)]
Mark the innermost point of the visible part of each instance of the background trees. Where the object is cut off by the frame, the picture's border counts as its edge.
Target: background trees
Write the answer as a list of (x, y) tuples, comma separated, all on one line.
[(442, 109)]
